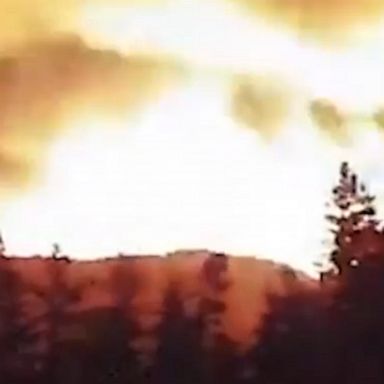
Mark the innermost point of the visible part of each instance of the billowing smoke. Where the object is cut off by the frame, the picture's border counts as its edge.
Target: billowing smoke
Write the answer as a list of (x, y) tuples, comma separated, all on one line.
[(378, 117), (22, 21), (326, 20), (47, 81), (260, 104), (329, 119)]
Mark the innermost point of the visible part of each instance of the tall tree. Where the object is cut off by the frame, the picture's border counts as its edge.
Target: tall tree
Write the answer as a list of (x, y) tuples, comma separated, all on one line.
[(108, 356), (351, 211), (180, 357), (290, 343), (221, 350), (356, 310), (117, 359), (290, 339), (58, 299), (16, 337)]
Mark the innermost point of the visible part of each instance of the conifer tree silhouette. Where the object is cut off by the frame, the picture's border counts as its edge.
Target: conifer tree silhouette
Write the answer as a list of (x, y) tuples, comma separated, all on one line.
[(58, 300), (111, 358), (17, 339), (352, 210), (221, 350), (179, 357), (356, 311), (290, 340)]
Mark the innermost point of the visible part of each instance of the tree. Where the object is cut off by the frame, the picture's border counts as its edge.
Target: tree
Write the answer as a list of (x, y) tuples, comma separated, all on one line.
[(117, 359), (108, 356), (212, 305), (17, 339), (352, 211), (221, 350), (58, 299), (356, 310), (290, 346), (180, 358), (96, 347)]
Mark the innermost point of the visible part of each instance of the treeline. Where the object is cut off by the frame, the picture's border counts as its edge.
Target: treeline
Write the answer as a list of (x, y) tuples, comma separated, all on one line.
[(48, 336), (327, 333)]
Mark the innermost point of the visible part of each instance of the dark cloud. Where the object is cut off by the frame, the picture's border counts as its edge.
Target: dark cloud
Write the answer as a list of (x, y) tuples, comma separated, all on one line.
[(328, 20), (261, 104), (45, 82), (329, 119)]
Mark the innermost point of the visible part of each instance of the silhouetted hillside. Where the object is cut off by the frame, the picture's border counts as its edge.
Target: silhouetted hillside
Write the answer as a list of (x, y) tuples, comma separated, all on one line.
[(182, 318)]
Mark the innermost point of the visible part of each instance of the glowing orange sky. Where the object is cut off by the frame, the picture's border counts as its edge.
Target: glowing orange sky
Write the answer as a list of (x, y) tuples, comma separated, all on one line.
[(190, 165)]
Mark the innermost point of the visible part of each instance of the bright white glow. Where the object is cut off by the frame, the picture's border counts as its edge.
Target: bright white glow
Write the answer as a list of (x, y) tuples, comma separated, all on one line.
[(201, 33), (185, 175)]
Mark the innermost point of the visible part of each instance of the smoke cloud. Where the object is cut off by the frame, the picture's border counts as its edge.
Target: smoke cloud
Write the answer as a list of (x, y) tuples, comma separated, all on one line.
[(260, 104), (20, 21), (49, 80), (329, 119), (328, 20)]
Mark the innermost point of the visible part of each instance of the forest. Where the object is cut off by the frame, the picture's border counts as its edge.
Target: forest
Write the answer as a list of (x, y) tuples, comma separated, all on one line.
[(199, 317)]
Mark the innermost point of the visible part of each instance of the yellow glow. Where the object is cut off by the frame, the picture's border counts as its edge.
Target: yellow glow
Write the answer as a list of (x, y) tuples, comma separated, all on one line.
[(184, 175), (212, 34)]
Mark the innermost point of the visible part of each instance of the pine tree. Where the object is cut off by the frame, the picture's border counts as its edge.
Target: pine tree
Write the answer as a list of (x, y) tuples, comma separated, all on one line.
[(58, 300), (212, 305), (180, 357), (221, 350), (352, 210), (17, 339), (356, 311), (290, 345), (118, 359)]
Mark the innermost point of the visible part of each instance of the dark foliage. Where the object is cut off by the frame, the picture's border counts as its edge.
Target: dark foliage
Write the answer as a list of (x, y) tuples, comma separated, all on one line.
[(291, 347), (353, 211), (16, 337), (108, 357), (180, 355)]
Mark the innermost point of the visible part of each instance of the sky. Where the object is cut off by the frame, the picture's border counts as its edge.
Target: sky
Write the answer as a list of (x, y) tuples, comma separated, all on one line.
[(149, 126)]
